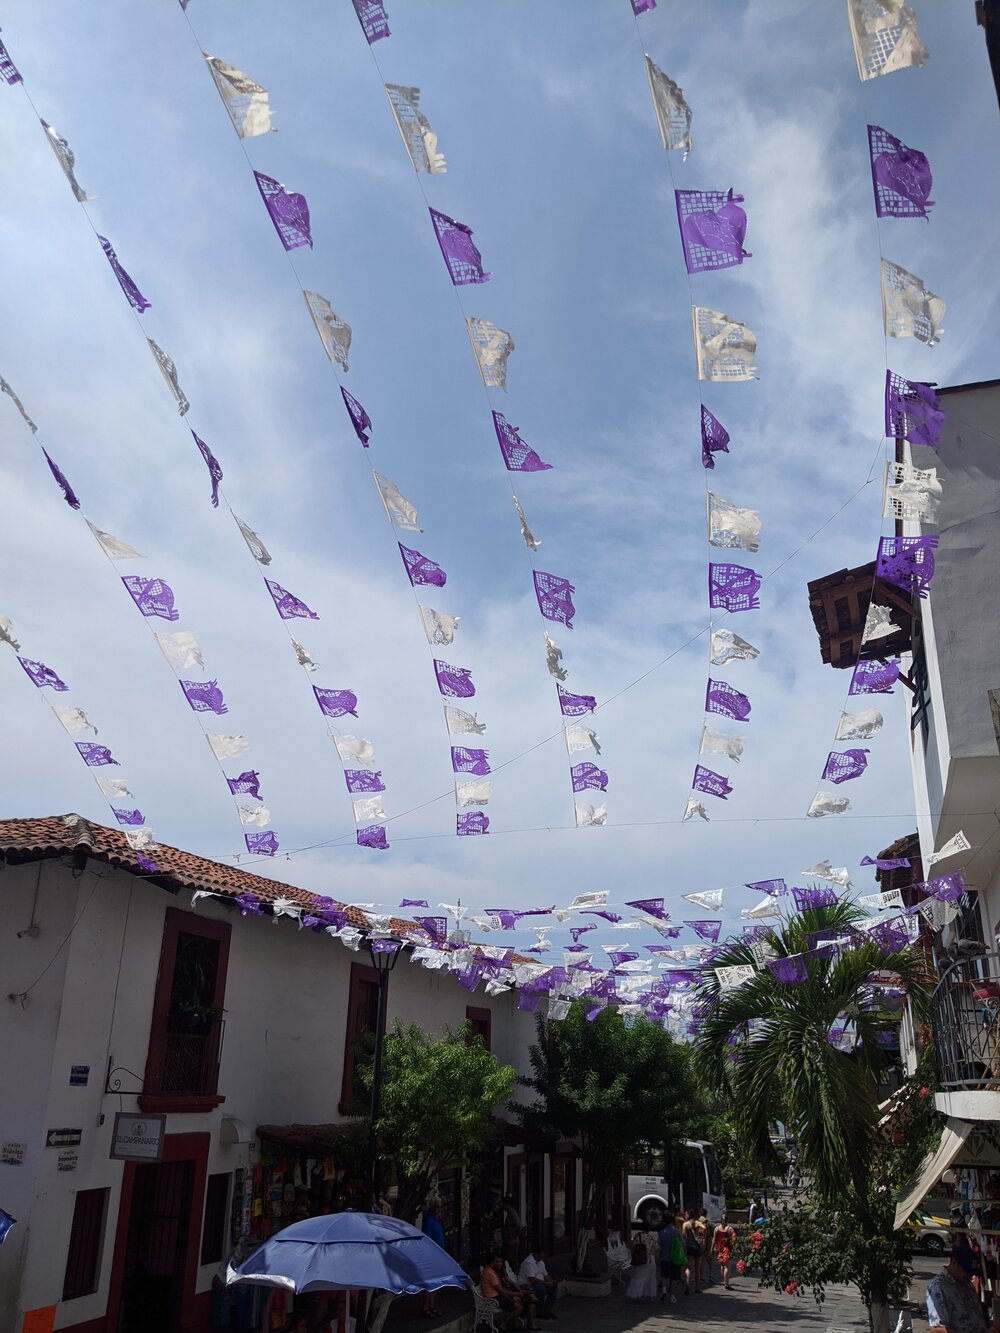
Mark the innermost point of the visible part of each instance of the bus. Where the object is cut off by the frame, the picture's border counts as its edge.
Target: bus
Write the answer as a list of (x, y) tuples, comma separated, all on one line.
[(660, 1184)]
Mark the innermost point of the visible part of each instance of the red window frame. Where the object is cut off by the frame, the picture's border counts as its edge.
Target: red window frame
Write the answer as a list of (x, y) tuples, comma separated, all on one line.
[(481, 1023), (362, 996), (86, 1240)]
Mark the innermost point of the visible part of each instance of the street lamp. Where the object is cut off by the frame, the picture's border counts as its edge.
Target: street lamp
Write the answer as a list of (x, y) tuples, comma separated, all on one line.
[(384, 951)]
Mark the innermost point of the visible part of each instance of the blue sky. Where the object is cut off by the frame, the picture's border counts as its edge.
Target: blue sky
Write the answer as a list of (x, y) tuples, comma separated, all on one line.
[(543, 114)]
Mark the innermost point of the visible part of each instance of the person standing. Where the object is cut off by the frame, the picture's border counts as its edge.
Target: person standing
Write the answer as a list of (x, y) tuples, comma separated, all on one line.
[(512, 1229), (671, 1259), (693, 1251), (723, 1240), (533, 1276), (952, 1303)]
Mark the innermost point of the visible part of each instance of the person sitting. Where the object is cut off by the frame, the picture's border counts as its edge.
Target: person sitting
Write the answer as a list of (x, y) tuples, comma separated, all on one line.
[(533, 1277), (494, 1285)]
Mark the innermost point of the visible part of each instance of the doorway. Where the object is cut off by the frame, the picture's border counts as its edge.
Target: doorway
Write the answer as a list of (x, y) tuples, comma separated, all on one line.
[(156, 1246)]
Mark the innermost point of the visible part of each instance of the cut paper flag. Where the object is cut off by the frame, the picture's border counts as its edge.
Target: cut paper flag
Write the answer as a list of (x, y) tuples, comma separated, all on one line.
[(355, 750), (739, 974), (901, 176), (554, 597), (7, 633), (713, 227), (912, 411), (710, 899), (65, 158), (774, 888), (466, 760), (363, 780), (373, 19), (642, 6), (885, 37), (373, 836), (288, 212), (368, 809), (673, 115), (714, 741), (132, 293), (254, 544), (588, 777), (169, 372), (247, 784), (880, 902), (581, 738), (888, 863), (517, 456), (861, 726), (873, 677), (112, 547), (843, 766), (492, 346), (909, 310), (652, 906), (790, 970), (5, 388), (414, 129), (575, 705), (454, 682), (204, 696), (75, 719), (153, 597), (694, 807), (907, 563), (261, 844), (712, 784), (464, 262), (214, 468), (336, 703), (69, 495), (590, 816), (258, 817), (722, 698), (129, 818), (95, 756), (527, 535), (226, 747), (910, 493), (400, 512), (553, 658), (41, 675), (725, 646), (461, 723), (420, 570), (472, 793), (245, 100), (10, 76), (714, 437), (954, 845), (438, 626), (764, 910), (724, 347), (733, 588), (706, 930), (826, 803), (289, 606), (334, 332), (730, 527), (304, 658), (360, 419)]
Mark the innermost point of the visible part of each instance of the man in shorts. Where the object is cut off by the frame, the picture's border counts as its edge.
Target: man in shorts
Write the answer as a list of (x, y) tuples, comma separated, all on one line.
[(670, 1270)]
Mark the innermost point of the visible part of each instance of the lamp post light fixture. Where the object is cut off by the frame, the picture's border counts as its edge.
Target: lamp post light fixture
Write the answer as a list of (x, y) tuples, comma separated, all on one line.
[(384, 950)]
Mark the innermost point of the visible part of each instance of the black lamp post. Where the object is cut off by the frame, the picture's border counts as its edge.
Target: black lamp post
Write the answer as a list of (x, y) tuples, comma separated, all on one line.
[(384, 951)]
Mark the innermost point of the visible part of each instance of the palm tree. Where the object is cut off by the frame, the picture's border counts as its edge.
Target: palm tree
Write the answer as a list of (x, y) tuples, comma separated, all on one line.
[(765, 1048)]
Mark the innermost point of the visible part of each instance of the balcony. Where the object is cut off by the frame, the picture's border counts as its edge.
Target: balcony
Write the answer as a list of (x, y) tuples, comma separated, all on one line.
[(965, 1017), (185, 1075)]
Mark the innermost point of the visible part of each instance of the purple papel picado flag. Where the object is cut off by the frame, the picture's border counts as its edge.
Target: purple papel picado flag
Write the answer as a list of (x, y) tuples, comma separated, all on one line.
[(886, 863), (454, 682), (466, 760), (8, 71), (651, 906), (472, 822), (733, 587), (360, 419), (912, 411), (288, 212), (247, 784), (69, 494), (153, 597), (436, 927), (722, 698), (420, 570), (465, 263), (843, 765), (907, 562), (289, 607), (776, 888), (706, 930), (41, 675), (214, 468), (517, 456), (901, 176), (249, 902), (554, 597), (873, 677), (373, 836), (588, 777), (790, 971), (204, 696), (363, 779), (130, 818), (135, 298), (642, 6), (96, 756), (714, 437), (261, 844), (810, 899), (373, 19), (575, 705), (712, 226), (712, 784), (336, 703), (946, 888)]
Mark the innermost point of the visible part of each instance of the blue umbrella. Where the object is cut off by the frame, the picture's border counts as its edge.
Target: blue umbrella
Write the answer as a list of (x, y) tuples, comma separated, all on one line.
[(347, 1250)]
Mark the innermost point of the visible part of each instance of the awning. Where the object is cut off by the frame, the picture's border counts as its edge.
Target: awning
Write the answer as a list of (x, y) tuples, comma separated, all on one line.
[(953, 1138)]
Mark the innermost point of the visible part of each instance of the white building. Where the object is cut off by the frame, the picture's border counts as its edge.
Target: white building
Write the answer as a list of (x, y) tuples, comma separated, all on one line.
[(117, 998)]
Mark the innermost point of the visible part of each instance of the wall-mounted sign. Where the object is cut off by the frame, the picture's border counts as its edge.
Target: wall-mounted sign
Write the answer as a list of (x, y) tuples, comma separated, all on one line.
[(138, 1137), (12, 1154), (63, 1138), (67, 1160), (78, 1075)]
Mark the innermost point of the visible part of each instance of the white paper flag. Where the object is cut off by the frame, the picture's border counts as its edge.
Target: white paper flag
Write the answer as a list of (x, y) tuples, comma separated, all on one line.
[(710, 899), (911, 492), (939, 914), (227, 747), (401, 513), (355, 750), (458, 721), (878, 623), (724, 347), (334, 332), (114, 787), (472, 793), (112, 547), (695, 807), (860, 726), (285, 907), (764, 909), (596, 899), (530, 541), (553, 656), (730, 527), (67, 161), (558, 1009), (350, 936), (581, 738), (257, 548), (959, 843), (590, 815), (880, 901), (909, 310), (673, 115), (492, 347), (245, 100), (169, 372), (414, 130), (303, 656), (738, 975), (885, 37), (258, 817), (716, 741), (7, 633), (181, 649), (73, 719), (368, 809), (831, 873), (439, 627), (5, 388), (726, 647), (826, 803), (140, 839), (495, 986)]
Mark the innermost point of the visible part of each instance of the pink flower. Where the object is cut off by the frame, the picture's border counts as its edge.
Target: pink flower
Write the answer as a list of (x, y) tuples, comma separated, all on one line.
[(924, 1092), (741, 1266), (792, 1288)]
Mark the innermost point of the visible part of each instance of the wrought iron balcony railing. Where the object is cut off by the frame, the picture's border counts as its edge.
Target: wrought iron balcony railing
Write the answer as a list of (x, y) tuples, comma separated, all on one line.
[(966, 1023), (191, 1058)]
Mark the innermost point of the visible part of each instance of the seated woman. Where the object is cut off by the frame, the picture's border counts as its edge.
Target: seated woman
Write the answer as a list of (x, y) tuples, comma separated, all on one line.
[(495, 1286)]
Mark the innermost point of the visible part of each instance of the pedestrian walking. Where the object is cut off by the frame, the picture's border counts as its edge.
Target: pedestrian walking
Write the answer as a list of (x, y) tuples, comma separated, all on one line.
[(693, 1251), (644, 1280), (672, 1258), (723, 1240)]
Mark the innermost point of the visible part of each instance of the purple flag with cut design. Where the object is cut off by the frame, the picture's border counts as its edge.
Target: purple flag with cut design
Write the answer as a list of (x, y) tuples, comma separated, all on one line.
[(790, 971), (619, 956), (843, 765), (436, 927), (642, 6), (912, 411), (289, 607), (135, 298), (517, 456), (382, 945), (946, 888), (577, 931), (153, 597), (775, 887), (454, 682), (651, 906), (901, 176), (613, 917), (554, 598), (588, 777), (363, 779), (887, 863), (213, 465), (8, 70), (706, 930), (470, 976), (575, 705), (96, 756), (204, 696), (373, 836), (249, 902), (261, 844), (414, 902), (471, 822), (420, 570), (69, 494), (712, 784), (465, 263), (755, 934), (336, 703), (130, 818), (712, 226), (714, 437), (466, 760), (907, 562), (288, 212), (528, 1000), (733, 587), (809, 899), (373, 19), (360, 419), (873, 677), (720, 697), (247, 784), (41, 675)]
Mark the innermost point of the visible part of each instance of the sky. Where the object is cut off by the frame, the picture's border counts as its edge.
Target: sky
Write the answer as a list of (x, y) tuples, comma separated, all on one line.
[(554, 159)]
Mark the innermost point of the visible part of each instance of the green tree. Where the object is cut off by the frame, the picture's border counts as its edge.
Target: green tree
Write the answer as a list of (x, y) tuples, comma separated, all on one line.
[(438, 1093), (614, 1084), (764, 1048)]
